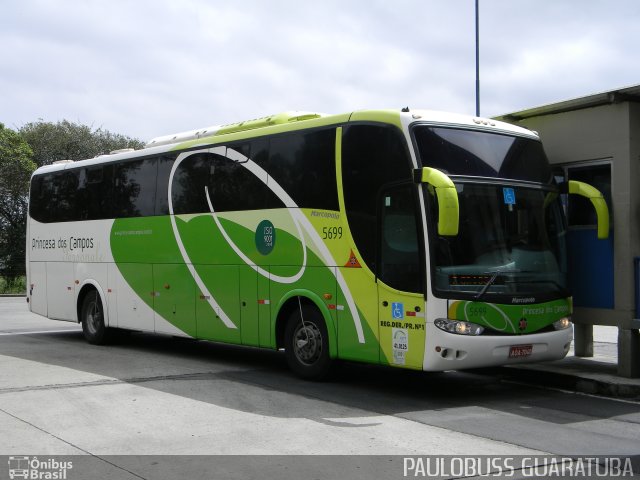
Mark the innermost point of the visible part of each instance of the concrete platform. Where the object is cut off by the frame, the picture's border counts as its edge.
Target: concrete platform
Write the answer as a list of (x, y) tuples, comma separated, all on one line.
[(592, 375)]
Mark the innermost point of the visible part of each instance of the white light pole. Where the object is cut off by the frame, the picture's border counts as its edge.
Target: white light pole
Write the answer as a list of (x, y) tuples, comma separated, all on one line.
[(477, 60)]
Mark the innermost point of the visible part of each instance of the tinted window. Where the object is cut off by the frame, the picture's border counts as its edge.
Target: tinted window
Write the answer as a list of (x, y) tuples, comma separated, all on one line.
[(303, 164), (189, 182), (224, 177), (110, 190), (235, 187), (372, 156), (40, 193), (53, 196), (134, 188), (468, 152), (165, 163), (93, 196)]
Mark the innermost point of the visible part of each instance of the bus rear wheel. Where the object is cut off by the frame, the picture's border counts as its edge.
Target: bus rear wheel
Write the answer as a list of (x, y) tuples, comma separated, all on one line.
[(307, 343), (92, 317)]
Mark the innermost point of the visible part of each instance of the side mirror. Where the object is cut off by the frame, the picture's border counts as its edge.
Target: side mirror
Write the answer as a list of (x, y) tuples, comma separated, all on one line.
[(598, 202), (448, 207)]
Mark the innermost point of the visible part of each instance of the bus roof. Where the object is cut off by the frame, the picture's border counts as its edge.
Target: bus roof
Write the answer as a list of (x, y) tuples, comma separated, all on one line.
[(292, 118), (291, 121)]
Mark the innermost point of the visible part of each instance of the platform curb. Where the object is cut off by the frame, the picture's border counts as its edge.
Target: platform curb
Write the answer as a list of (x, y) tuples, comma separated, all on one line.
[(542, 376)]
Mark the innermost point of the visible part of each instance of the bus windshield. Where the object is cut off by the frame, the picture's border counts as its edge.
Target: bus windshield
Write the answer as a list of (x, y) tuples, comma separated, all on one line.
[(511, 241)]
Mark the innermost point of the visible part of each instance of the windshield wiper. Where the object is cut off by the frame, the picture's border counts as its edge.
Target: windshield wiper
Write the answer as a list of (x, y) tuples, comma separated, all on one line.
[(486, 286), (494, 276)]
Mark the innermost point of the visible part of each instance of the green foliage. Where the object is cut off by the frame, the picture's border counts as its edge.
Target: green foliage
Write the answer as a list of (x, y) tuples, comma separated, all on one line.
[(16, 163), (16, 167), (71, 141), (17, 285)]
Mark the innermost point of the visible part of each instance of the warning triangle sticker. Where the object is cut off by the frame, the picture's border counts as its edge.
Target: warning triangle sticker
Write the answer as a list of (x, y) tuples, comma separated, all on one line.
[(353, 261)]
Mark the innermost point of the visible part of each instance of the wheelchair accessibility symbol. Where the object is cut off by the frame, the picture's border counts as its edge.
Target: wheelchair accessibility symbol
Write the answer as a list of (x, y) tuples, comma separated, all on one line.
[(397, 310), (509, 195)]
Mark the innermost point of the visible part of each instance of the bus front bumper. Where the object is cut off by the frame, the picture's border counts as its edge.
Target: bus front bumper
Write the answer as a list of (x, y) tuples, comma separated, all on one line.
[(448, 351)]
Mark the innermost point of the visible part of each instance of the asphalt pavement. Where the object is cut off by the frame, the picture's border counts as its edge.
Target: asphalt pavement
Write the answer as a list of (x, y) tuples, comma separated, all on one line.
[(591, 375)]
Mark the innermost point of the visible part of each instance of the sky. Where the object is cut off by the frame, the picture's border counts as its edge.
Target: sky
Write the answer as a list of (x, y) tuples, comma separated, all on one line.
[(147, 68)]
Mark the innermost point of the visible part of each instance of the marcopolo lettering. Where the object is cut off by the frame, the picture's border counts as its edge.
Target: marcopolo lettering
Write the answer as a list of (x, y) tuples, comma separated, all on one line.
[(523, 300)]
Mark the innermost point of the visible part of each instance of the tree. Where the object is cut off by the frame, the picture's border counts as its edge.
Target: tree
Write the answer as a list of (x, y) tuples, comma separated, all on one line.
[(71, 141), (16, 167)]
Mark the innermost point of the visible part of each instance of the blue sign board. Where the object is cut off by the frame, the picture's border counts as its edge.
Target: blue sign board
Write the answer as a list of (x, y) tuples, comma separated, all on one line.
[(397, 310), (509, 196)]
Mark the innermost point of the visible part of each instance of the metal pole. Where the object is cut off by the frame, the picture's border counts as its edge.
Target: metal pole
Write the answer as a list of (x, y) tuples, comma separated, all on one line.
[(477, 61)]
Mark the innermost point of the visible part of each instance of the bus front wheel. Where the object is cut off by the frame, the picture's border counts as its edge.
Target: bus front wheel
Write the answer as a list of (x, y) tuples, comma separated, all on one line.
[(92, 318), (307, 343)]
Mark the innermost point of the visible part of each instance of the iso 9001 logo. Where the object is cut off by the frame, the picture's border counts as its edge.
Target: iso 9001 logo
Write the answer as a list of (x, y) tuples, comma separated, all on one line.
[(33, 468)]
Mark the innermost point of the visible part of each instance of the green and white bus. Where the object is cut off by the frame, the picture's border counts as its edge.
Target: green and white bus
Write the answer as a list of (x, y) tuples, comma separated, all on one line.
[(416, 239)]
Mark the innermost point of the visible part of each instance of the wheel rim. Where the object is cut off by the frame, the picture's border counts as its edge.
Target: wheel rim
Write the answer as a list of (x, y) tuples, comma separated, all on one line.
[(93, 317), (307, 343)]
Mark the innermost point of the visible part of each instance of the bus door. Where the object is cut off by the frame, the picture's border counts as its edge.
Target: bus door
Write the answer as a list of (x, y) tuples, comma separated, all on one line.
[(399, 278)]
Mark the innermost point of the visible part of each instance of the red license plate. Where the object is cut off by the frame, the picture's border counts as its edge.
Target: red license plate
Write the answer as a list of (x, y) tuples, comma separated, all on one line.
[(520, 351)]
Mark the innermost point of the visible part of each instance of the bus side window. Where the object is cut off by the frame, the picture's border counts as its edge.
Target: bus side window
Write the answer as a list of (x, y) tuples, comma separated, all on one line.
[(53, 197), (93, 194), (65, 186), (235, 188), (303, 164), (134, 186), (260, 156), (165, 163), (41, 186), (225, 178), (189, 180), (372, 156)]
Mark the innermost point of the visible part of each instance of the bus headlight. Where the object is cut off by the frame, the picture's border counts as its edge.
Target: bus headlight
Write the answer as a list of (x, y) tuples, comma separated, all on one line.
[(562, 324), (458, 326)]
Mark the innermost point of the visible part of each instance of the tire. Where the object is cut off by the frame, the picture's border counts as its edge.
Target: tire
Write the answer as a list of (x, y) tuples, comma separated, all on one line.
[(307, 344), (92, 318)]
